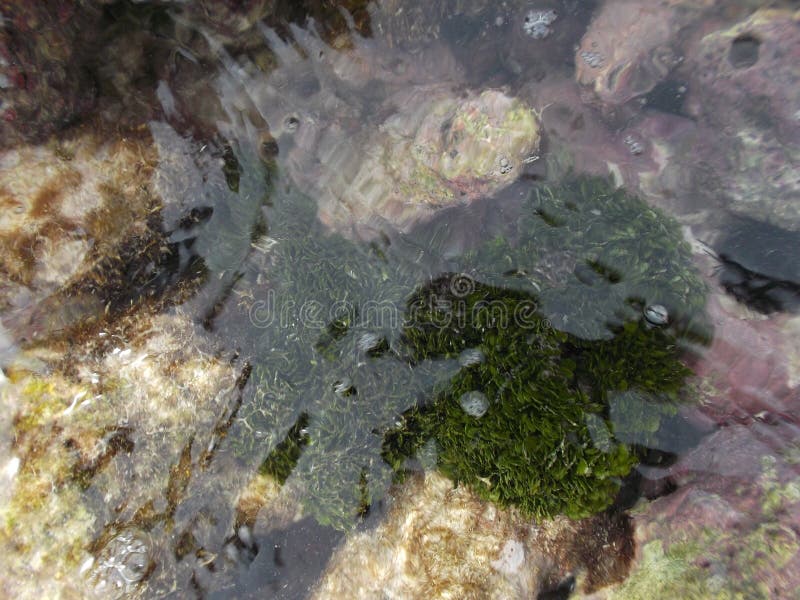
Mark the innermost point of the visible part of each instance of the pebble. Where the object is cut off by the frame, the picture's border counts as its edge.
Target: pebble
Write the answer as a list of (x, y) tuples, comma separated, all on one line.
[(123, 562), (537, 23), (368, 341), (633, 145), (594, 59), (343, 386), (471, 357), (474, 403)]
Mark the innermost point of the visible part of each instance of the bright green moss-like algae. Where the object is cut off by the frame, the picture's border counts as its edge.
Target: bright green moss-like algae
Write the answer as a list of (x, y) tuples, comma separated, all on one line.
[(355, 350)]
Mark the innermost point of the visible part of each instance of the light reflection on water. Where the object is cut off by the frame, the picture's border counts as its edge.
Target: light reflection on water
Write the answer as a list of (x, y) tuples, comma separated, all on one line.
[(307, 335)]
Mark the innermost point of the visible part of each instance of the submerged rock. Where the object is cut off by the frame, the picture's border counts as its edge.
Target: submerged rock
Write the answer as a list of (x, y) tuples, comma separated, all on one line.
[(374, 137), (109, 465), (71, 211), (441, 541), (44, 83), (743, 83), (729, 529), (437, 150), (631, 46), (750, 371)]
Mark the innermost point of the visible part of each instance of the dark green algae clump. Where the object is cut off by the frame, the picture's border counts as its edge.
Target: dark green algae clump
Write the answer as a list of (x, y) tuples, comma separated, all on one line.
[(363, 353)]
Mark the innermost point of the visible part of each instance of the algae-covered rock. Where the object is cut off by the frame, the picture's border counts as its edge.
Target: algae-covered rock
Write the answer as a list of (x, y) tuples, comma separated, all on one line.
[(728, 532), (44, 82), (378, 139), (631, 46), (742, 82), (105, 460), (76, 214), (356, 359), (441, 541), (437, 150)]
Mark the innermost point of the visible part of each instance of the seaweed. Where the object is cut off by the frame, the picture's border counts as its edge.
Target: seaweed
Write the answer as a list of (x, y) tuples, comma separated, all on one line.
[(546, 443), (358, 351)]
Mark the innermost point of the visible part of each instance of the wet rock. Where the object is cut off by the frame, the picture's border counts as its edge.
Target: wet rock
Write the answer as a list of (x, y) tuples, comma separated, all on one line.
[(729, 528), (410, 24), (747, 374), (510, 42), (230, 20), (437, 151), (631, 46), (544, 35), (743, 83), (67, 210), (444, 540), (758, 266), (109, 450), (578, 138), (439, 146)]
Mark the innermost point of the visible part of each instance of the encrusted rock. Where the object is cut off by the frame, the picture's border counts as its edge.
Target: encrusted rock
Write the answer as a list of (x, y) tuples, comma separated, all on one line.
[(67, 209), (445, 542), (422, 144), (44, 84), (438, 150), (743, 83), (632, 45)]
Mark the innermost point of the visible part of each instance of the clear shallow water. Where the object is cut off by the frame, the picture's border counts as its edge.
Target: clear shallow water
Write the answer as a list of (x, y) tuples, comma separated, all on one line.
[(281, 361)]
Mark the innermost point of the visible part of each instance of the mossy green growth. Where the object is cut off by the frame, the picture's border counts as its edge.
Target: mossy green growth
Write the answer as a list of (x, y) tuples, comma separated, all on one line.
[(355, 350), (593, 254), (544, 443), (710, 564)]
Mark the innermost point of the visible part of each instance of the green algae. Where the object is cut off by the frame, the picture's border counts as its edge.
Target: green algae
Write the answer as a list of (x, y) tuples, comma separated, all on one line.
[(545, 443), (710, 564), (775, 493), (381, 317)]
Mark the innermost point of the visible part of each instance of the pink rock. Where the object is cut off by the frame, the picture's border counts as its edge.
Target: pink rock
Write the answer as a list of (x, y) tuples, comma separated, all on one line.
[(747, 366), (743, 83), (632, 45), (731, 525)]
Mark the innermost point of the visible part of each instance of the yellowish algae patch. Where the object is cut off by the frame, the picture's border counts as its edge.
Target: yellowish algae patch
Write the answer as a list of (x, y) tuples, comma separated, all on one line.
[(105, 445), (45, 524)]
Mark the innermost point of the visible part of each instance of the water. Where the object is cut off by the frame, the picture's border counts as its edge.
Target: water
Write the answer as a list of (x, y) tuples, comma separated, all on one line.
[(478, 299)]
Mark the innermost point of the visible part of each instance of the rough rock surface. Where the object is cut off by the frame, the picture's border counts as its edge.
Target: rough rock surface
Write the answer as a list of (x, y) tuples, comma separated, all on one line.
[(631, 45), (44, 84), (440, 541), (743, 83), (730, 528), (374, 135), (69, 208)]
